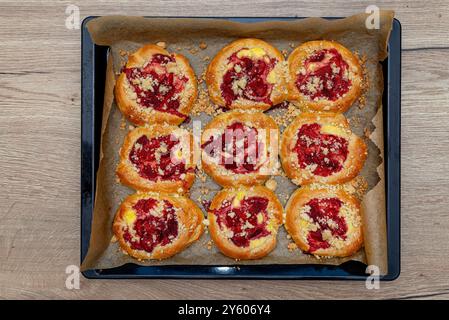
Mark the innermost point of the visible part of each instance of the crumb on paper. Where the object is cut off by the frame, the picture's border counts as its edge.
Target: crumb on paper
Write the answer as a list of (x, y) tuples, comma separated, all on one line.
[(367, 132), (202, 78), (201, 175), (360, 185), (362, 101), (123, 53), (206, 58), (162, 44), (209, 245), (292, 45), (292, 246), (365, 80), (122, 123), (202, 45), (193, 50), (281, 173), (283, 119), (357, 187), (355, 121), (271, 184), (284, 196), (204, 105)]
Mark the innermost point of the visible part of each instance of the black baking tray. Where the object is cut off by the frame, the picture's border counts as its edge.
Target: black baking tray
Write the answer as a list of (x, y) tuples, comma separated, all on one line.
[(93, 71)]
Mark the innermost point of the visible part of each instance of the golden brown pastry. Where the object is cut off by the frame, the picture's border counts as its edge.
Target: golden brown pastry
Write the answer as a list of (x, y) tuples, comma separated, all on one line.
[(157, 158), (247, 74), (321, 148), (324, 76), (156, 87), (240, 148), (157, 226), (324, 223), (244, 222)]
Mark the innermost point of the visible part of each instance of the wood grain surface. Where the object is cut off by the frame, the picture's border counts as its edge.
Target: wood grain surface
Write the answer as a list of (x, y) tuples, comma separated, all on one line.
[(40, 153)]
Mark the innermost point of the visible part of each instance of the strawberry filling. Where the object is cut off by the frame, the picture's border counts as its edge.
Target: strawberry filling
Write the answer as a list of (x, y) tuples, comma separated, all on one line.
[(152, 228), (246, 222), (325, 76), (324, 154), (247, 79), (153, 158), (237, 148), (156, 87), (324, 212)]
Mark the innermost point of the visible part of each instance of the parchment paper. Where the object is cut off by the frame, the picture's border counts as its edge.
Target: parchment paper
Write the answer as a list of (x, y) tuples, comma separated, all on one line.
[(126, 34)]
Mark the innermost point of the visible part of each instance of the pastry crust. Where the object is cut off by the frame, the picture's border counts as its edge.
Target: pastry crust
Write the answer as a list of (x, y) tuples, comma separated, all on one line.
[(258, 247), (180, 182), (126, 96), (189, 228), (255, 49), (296, 65), (298, 223), (334, 124), (267, 134)]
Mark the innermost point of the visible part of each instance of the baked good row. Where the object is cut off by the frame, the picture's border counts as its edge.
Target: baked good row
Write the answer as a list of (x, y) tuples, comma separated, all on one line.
[(241, 149), (156, 86), (243, 223)]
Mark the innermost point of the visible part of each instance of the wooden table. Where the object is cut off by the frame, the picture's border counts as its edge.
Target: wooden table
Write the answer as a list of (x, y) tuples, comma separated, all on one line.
[(40, 153)]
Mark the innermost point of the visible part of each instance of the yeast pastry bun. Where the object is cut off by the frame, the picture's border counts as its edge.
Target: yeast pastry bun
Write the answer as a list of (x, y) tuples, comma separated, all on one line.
[(247, 74), (324, 76), (321, 148), (157, 158), (324, 223), (156, 87), (156, 225), (244, 222), (240, 148)]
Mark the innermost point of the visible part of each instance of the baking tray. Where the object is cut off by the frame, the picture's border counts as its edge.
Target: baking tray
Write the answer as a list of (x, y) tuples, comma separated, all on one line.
[(93, 72)]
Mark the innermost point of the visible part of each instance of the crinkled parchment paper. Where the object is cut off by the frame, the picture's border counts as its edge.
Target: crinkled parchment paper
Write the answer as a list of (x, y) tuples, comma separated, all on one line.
[(126, 34)]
